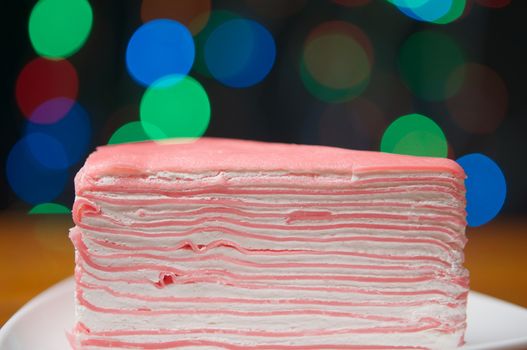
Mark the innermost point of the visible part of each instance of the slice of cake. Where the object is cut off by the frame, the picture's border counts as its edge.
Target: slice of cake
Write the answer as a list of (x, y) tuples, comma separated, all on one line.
[(227, 244)]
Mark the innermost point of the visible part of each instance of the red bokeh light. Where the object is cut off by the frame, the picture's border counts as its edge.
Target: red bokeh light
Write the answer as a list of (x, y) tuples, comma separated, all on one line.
[(42, 80), (346, 29), (480, 105)]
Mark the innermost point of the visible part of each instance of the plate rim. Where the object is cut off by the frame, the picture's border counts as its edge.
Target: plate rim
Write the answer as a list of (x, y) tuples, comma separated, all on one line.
[(39, 299), (501, 344)]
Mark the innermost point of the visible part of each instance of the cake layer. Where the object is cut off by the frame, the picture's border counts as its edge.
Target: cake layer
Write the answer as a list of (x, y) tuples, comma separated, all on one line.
[(246, 245)]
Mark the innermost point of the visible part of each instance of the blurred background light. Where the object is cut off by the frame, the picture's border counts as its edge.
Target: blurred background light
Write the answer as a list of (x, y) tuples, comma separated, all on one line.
[(486, 188), (73, 132), (177, 106), (42, 80), (336, 61), (416, 135), (194, 14), (426, 60), (135, 132), (52, 110), (408, 3), (334, 72), (480, 103), (434, 11), (47, 150), (276, 9), (123, 114), (217, 17), (50, 208), (29, 179), (159, 48), (357, 124), (59, 28), (240, 53)]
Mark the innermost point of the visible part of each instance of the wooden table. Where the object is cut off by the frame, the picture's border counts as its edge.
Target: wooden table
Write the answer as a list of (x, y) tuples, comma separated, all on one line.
[(35, 253)]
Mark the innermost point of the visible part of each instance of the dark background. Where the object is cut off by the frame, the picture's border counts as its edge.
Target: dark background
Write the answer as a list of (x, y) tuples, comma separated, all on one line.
[(280, 108)]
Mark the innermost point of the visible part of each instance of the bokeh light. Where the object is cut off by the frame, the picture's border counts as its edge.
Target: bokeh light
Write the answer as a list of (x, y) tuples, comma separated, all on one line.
[(52, 110), (135, 132), (123, 114), (48, 151), (42, 80), (416, 135), (408, 3), (216, 18), (357, 124), (49, 208), (240, 53), (73, 132), (194, 14), (340, 71), (177, 106), (486, 188), (275, 9), (480, 104), (59, 28), (336, 62), (493, 3), (426, 59), (434, 11), (29, 179), (159, 48)]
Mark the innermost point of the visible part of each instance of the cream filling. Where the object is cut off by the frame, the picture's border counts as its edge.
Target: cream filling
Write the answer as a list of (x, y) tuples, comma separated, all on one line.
[(452, 257)]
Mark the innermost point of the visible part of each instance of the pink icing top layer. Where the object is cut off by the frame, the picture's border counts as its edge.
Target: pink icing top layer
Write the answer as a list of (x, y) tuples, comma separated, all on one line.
[(215, 154)]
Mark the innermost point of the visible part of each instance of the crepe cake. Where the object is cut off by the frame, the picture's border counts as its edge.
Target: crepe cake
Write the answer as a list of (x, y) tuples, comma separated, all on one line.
[(231, 244)]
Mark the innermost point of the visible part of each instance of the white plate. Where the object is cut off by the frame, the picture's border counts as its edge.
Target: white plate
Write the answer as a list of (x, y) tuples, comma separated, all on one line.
[(42, 323)]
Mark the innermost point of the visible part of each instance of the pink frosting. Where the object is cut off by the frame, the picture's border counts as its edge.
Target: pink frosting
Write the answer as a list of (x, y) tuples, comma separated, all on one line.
[(214, 154)]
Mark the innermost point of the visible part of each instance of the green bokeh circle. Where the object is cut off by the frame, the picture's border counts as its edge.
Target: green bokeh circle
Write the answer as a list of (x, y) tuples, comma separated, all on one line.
[(455, 11), (426, 60), (59, 28), (50, 208), (178, 106), (216, 19), (416, 135), (135, 132)]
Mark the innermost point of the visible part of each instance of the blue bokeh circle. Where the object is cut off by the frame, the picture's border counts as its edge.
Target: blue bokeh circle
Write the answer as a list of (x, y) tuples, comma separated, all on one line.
[(159, 48), (73, 132), (240, 53), (47, 150), (433, 11), (30, 180), (486, 188)]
